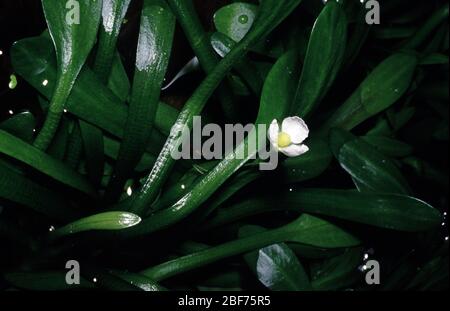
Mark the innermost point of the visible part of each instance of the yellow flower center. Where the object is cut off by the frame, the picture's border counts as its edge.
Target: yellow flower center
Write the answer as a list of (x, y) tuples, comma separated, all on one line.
[(284, 140)]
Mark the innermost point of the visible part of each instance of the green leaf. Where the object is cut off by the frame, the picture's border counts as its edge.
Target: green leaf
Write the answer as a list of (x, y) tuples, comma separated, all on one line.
[(276, 266), (90, 100), (324, 58), (73, 33), (311, 230), (153, 53), (382, 88), (104, 221), (20, 125), (278, 269), (236, 19), (23, 152), (389, 211), (113, 14), (366, 165)]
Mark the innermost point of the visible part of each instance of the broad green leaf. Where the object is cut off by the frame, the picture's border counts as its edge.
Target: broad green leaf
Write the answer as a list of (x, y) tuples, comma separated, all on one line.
[(45, 281), (366, 165), (73, 27), (20, 125), (236, 19), (337, 272), (323, 59), (153, 53), (389, 211), (104, 221), (25, 153), (276, 266), (311, 230), (382, 88), (90, 100), (309, 165)]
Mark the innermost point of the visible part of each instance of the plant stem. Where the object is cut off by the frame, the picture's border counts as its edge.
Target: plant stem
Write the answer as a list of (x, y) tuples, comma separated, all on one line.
[(54, 115)]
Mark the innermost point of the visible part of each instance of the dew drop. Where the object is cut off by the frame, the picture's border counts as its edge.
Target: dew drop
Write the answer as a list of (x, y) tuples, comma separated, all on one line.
[(51, 229)]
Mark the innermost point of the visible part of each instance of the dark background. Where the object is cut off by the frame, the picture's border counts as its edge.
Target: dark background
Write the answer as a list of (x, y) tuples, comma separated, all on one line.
[(24, 18)]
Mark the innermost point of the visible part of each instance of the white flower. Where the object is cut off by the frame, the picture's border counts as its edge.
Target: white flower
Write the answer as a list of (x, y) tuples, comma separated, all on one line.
[(290, 139)]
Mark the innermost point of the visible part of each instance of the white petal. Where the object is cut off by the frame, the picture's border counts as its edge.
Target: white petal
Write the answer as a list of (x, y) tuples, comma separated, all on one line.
[(274, 130), (296, 128), (294, 150)]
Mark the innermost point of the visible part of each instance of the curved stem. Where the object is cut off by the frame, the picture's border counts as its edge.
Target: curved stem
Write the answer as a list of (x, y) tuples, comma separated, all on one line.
[(54, 115)]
